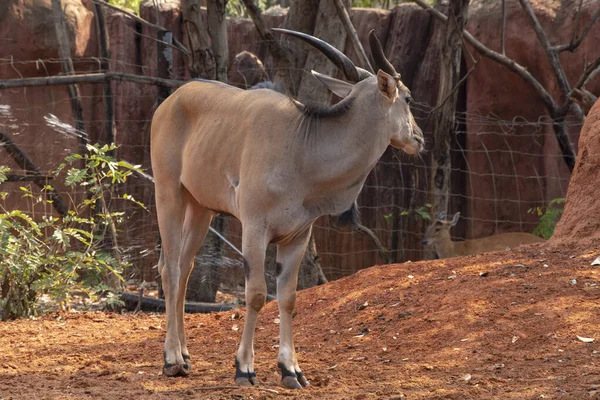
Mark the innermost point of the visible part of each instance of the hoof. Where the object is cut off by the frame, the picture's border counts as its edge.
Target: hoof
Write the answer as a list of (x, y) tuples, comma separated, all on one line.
[(187, 362), (172, 370), (303, 381), (291, 382), (244, 378), (291, 379), (246, 381)]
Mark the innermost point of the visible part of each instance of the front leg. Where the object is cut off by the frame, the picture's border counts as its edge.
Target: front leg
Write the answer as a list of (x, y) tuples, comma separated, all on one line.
[(289, 257), (254, 247)]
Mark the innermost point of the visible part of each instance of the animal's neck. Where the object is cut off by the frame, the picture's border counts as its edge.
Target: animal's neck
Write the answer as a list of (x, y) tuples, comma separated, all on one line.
[(340, 153), (445, 247), (345, 148)]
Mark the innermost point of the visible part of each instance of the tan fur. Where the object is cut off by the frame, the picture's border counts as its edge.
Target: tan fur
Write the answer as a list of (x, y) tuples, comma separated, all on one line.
[(438, 236), (255, 155)]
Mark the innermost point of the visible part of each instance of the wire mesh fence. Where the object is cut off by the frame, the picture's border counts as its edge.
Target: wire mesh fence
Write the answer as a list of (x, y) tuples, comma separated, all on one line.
[(495, 180), (501, 168)]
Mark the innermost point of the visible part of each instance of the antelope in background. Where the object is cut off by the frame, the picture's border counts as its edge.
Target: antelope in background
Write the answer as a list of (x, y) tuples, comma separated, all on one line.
[(275, 164), (438, 236)]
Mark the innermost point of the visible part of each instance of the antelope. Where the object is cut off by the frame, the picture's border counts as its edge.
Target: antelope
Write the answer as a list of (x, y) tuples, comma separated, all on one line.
[(276, 165), (438, 236)]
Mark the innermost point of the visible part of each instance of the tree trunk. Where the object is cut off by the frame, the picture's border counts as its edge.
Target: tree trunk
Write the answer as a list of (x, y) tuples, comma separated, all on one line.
[(444, 119), (206, 276), (104, 53), (301, 17), (311, 274), (64, 51), (329, 28), (202, 60), (217, 27)]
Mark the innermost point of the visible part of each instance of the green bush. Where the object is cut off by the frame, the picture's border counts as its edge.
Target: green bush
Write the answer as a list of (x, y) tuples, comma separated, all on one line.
[(41, 253), (549, 217)]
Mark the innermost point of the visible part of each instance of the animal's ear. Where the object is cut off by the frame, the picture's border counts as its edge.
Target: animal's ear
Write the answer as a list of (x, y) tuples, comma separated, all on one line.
[(387, 85), (455, 219), (340, 88)]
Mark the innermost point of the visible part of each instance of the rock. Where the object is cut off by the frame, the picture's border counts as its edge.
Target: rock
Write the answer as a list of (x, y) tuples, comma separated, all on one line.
[(246, 70), (580, 220)]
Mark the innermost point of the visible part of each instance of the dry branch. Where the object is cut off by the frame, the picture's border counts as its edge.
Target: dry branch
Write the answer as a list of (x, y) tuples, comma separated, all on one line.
[(229, 387), (574, 44), (552, 55), (89, 78), (28, 178), (502, 37), (383, 253), (556, 113), (277, 52), (499, 58), (360, 51), (26, 164), (176, 43), (589, 70), (150, 304)]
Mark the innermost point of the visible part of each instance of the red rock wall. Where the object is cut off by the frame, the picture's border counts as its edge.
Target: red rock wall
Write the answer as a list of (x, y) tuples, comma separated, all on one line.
[(486, 171), (517, 148)]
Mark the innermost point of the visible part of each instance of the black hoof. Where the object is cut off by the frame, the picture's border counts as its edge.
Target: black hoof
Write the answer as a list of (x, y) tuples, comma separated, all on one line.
[(172, 370), (292, 380), (244, 378), (303, 381)]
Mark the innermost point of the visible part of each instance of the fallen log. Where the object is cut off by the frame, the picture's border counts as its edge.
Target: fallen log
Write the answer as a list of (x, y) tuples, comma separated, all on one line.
[(150, 304)]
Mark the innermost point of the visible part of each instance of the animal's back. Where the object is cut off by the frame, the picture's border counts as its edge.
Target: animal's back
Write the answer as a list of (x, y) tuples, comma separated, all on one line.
[(204, 131), (497, 242)]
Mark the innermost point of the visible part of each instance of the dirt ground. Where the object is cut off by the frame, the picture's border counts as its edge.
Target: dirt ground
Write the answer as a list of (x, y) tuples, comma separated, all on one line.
[(497, 326)]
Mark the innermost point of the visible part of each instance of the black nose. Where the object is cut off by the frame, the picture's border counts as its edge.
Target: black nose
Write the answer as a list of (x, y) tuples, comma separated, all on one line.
[(424, 242)]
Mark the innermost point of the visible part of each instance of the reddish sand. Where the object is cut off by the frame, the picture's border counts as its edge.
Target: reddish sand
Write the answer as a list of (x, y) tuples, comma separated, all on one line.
[(431, 330)]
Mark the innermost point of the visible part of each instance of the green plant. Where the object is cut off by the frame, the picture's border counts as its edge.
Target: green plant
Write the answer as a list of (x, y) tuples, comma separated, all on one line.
[(133, 5), (549, 217), (423, 212), (42, 253)]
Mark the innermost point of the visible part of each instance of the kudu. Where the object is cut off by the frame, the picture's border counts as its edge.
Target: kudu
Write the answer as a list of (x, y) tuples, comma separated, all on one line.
[(276, 165), (438, 236)]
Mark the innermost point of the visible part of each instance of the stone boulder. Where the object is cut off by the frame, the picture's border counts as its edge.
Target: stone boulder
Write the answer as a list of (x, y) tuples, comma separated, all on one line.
[(28, 33), (581, 218), (246, 70)]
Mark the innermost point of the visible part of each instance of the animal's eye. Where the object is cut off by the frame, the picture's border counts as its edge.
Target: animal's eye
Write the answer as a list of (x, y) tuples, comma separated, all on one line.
[(438, 229), (408, 100)]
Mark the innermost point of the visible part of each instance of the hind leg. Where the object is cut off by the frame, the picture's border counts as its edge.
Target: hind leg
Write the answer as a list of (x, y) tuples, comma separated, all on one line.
[(195, 226), (170, 208)]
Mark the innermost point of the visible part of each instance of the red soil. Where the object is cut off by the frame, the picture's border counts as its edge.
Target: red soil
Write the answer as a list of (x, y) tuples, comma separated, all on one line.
[(436, 329)]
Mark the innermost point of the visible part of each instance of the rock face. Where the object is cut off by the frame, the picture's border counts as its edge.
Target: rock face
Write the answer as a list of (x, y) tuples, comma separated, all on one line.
[(518, 166), (28, 33), (581, 217), (504, 153)]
